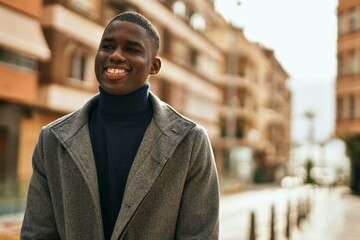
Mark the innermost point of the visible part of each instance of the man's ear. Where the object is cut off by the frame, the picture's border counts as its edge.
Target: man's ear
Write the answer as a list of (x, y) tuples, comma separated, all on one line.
[(156, 65)]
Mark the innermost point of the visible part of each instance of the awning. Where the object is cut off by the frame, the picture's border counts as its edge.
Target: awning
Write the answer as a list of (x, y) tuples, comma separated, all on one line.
[(22, 33)]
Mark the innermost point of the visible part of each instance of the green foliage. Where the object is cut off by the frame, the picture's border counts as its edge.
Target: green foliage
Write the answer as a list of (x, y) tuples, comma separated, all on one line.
[(309, 165), (260, 176), (353, 151)]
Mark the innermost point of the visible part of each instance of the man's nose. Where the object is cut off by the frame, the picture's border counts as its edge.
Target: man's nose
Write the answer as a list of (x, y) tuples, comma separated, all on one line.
[(117, 55)]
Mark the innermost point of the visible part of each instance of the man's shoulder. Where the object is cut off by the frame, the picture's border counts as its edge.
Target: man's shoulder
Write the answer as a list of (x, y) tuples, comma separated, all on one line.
[(62, 120), (166, 115)]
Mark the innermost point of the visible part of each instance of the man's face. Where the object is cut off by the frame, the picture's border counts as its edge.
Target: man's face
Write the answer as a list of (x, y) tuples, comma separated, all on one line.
[(125, 58)]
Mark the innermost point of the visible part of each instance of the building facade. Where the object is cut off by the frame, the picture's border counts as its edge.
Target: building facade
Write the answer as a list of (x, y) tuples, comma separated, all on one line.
[(348, 84), (348, 73), (22, 49), (210, 73), (256, 111)]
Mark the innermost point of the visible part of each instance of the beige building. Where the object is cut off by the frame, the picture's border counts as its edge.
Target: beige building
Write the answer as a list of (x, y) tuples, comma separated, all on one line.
[(348, 85), (347, 82), (255, 116), (22, 49), (210, 73)]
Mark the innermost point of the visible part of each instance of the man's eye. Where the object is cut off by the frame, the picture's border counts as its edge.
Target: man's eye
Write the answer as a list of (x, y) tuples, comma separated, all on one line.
[(131, 49), (106, 47)]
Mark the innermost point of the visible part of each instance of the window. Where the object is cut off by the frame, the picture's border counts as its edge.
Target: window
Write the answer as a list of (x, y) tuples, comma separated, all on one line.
[(339, 108), (165, 88), (166, 42), (241, 97), (352, 19), (352, 112), (85, 5), (240, 128), (340, 65), (17, 59), (193, 57), (4, 146), (179, 8), (353, 62), (78, 61), (197, 22), (341, 23)]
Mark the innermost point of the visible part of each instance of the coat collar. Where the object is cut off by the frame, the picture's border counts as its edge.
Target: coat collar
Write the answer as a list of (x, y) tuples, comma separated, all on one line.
[(161, 138), (164, 133)]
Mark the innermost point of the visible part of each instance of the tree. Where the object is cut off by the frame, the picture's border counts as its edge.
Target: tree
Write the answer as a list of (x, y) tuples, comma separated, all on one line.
[(353, 151)]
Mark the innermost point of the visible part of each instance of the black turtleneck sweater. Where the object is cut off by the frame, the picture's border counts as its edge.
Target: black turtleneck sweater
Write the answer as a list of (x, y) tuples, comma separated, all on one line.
[(117, 125)]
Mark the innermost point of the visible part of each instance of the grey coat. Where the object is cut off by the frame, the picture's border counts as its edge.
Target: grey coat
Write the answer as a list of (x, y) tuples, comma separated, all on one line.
[(171, 193)]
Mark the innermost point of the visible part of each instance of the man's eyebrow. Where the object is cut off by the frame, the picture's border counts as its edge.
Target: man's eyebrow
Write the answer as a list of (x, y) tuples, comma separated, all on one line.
[(107, 39), (135, 44)]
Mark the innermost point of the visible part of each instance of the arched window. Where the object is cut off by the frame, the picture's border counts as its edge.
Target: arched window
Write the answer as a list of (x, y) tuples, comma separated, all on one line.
[(197, 22), (179, 8), (78, 61)]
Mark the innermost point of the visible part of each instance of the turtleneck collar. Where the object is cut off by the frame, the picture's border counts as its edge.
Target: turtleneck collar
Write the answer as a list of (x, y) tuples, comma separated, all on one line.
[(121, 105)]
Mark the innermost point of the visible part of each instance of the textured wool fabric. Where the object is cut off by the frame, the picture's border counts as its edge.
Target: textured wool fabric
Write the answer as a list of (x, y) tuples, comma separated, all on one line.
[(171, 192)]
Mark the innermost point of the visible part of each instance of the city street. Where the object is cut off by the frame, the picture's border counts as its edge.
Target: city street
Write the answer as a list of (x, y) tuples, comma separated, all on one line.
[(331, 214)]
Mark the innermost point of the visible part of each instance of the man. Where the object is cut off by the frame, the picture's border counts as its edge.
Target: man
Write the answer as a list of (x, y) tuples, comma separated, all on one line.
[(126, 165)]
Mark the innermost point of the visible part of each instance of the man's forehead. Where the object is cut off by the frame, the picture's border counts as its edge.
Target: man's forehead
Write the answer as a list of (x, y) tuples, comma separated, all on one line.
[(118, 23), (123, 29), (133, 30)]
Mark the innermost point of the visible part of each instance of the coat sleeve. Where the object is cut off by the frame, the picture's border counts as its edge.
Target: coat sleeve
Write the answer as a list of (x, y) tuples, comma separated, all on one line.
[(39, 221), (199, 210)]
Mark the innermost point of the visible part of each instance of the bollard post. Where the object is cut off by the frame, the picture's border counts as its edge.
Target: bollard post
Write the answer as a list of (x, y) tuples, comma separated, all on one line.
[(299, 214), (252, 235), (308, 205), (288, 221), (304, 209), (272, 223)]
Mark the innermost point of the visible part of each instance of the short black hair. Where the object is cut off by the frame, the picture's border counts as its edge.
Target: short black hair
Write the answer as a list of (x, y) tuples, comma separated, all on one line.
[(143, 22)]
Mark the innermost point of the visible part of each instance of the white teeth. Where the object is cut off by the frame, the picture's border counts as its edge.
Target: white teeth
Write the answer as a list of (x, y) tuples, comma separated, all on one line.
[(115, 70)]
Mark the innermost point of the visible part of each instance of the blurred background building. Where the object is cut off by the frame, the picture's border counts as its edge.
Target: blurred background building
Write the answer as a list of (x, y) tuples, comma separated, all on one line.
[(23, 48), (348, 84), (210, 73)]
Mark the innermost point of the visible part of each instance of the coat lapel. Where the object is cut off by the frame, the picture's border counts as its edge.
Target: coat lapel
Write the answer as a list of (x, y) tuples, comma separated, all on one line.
[(75, 138), (164, 133)]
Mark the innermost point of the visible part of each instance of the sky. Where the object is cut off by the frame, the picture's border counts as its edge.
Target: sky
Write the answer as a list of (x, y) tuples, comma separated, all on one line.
[(303, 35)]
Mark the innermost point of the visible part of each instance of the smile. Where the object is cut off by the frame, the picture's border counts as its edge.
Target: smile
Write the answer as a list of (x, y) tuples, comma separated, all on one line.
[(115, 70)]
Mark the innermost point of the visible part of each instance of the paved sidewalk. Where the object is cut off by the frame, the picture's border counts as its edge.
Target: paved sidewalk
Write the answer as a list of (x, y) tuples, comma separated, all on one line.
[(335, 215)]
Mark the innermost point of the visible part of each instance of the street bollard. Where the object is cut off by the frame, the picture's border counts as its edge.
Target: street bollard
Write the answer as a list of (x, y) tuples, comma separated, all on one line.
[(304, 209), (288, 221), (302, 212), (252, 235), (272, 223), (308, 205), (299, 214)]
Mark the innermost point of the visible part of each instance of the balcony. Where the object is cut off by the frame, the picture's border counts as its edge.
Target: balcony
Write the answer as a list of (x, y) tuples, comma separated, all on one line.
[(239, 82), (18, 85), (63, 99)]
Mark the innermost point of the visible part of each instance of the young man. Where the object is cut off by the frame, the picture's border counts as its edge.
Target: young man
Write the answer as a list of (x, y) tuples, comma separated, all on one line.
[(126, 165)]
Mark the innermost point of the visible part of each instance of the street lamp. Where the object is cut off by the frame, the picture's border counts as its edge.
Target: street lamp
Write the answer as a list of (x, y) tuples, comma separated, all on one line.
[(310, 116)]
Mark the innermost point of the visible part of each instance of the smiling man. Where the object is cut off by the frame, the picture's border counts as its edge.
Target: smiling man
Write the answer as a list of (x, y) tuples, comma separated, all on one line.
[(126, 165)]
